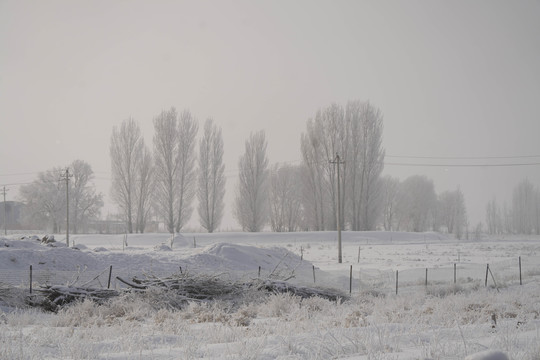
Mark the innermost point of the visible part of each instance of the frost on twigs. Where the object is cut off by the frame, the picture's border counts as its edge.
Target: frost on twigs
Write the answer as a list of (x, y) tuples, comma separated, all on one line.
[(54, 297), (179, 290), (300, 291)]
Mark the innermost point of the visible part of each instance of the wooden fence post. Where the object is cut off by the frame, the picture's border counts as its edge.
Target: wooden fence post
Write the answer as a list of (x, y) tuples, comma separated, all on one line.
[(350, 281), (426, 276), (454, 273), (30, 279), (313, 274), (397, 281), (110, 273), (520, 282), (259, 272), (487, 273)]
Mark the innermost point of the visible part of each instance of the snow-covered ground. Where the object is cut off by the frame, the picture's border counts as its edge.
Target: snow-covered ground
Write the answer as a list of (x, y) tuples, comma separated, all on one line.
[(444, 320)]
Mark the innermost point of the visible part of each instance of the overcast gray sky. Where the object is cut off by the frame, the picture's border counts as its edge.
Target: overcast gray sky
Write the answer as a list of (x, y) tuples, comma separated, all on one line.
[(452, 79)]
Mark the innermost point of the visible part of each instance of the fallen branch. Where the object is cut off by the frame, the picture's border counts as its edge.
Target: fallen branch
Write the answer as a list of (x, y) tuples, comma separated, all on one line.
[(301, 291), (56, 296)]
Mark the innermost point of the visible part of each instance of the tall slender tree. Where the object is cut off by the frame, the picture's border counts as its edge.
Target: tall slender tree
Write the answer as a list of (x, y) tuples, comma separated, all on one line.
[(187, 175), (131, 173), (356, 135), (211, 180), (174, 158), (251, 203), (285, 198), (143, 191), (166, 151)]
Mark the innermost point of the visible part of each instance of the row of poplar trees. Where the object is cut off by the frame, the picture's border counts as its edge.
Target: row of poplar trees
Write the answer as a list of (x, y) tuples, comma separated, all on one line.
[(167, 180), (286, 197)]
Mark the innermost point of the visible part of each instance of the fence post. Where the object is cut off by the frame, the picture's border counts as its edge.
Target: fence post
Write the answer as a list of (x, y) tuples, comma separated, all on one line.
[(487, 273), (30, 279), (359, 254), (454, 273), (313, 274), (194, 242), (350, 281), (494, 282), (397, 281), (426, 277), (259, 272), (110, 273), (520, 283)]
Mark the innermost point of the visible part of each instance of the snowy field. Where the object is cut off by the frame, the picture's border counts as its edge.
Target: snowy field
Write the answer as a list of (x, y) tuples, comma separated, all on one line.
[(443, 320)]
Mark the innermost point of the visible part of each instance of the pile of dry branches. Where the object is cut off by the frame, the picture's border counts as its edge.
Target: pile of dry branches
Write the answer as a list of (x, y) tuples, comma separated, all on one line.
[(177, 290), (53, 297)]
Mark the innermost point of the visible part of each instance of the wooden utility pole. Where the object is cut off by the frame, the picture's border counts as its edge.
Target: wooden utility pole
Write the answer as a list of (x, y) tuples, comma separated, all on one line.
[(5, 211), (66, 176), (338, 162)]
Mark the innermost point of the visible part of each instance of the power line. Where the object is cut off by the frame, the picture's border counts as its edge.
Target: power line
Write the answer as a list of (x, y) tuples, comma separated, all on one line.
[(462, 165), (463, 157), (18, 174)]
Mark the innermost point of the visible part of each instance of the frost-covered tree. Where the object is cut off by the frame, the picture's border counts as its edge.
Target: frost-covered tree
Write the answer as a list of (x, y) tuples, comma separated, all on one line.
[(131, 174), (366, 162), (453, 212), (45, 198), (187, 175), (251, 203), (416, 202), (356, 135), (389, 192), (285, 198), (211, 180), (166, 151), (524, 207), (144, 188), (315, 184), (507, 219), (85, 203), (174, 164), (494, 219)]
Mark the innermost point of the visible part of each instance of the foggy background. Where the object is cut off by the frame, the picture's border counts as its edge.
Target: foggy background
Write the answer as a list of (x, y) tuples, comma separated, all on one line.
[(453, 79)]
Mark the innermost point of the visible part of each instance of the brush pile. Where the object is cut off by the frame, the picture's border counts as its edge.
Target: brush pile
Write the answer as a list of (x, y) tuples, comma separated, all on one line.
[(52, 298), (177, 290)]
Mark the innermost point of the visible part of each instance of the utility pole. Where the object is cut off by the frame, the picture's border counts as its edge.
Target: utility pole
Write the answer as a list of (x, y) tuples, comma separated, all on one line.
[(338, 162), (5, 211), (65, 176)]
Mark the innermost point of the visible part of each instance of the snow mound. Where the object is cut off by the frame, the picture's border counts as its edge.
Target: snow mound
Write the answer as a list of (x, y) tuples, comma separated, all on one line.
[(488, 355), (16, 254), (180, 241), (274, 262), (162, 247), (246, 257)]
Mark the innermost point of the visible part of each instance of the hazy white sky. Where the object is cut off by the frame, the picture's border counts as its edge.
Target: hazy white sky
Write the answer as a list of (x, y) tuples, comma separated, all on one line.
[(452, 78)]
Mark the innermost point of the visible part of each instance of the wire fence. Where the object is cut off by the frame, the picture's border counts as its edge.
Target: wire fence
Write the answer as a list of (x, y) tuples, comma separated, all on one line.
[(462, 275)]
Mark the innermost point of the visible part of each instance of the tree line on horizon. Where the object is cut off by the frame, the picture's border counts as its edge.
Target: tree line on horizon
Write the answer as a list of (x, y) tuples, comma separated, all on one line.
[(163, 182)]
